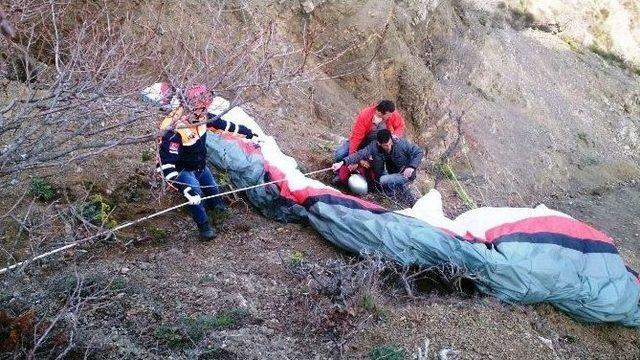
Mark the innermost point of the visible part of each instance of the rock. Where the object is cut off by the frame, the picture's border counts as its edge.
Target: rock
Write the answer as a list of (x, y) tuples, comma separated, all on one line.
[(307, 6), (211, 292), (238, 301), (173, 254), (547, 342), (423, 352), (124, 270), (241, 302), (449, 354)]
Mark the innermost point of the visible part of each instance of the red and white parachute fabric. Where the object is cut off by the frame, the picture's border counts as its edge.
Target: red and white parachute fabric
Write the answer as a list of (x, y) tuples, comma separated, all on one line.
[(520, 255)]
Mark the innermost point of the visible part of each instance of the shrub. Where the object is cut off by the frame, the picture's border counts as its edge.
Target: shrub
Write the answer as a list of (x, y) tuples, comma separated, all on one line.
[(608, 56), (194, 329), (146, 155), (229, 318), (97, 211), (387, 352), (583, 137), (157, 233), (170, 335), (370, 304), (296, 258), (570, 339), (223, 179), (573, 44), (42, 189), (119, 283)]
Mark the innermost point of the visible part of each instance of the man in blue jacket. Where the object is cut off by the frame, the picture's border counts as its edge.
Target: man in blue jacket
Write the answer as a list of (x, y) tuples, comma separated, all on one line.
[(394, 162), (183, 152)]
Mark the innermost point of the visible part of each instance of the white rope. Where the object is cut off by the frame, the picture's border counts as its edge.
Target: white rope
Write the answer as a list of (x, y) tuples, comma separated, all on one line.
[(137, 221), (176, 182)]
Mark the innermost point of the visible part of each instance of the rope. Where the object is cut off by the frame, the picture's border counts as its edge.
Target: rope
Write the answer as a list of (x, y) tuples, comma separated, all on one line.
[(137, 221), (175, 182)]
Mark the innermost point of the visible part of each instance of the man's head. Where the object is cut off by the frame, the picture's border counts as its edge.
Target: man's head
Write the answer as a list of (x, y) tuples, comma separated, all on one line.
[(385, 141), (197, 99), (384, 109)]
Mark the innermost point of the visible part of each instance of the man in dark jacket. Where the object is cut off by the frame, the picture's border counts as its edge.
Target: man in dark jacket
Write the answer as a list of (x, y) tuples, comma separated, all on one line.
[(183, 152), (393, 161)]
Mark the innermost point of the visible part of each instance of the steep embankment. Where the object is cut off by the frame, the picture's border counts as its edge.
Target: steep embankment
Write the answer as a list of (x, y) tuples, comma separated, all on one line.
[(545, 117)]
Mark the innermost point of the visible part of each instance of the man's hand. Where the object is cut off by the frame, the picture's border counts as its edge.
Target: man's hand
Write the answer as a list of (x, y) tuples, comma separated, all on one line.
[(365, 164), (257, 139), (352, 167), (193, 199), (408, 172), (335, 167)]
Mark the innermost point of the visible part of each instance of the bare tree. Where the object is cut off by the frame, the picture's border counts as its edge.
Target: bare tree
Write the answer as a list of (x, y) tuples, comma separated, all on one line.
[(73, 72), (71, 75), (340, 289), (63, 87), (50, 329)]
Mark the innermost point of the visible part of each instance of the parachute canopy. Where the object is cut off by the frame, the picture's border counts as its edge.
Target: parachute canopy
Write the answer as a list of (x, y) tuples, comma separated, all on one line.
[(520, 255)]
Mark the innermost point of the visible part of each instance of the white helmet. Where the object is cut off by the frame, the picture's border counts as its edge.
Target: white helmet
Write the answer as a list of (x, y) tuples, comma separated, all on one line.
[(163, 95), (358, 184)]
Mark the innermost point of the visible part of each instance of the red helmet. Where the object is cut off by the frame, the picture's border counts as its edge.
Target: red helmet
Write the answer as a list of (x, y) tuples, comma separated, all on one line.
[(197, 97)]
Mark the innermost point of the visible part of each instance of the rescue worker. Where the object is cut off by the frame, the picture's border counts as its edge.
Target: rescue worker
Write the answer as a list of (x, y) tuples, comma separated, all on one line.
[(182, 154), (394, 164), (369, 121)]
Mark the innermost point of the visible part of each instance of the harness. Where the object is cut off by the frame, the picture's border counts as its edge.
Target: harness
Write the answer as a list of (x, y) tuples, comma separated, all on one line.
[(188, 134)]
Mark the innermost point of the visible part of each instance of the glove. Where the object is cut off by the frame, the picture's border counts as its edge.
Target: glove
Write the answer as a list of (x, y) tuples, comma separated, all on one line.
[(335, 167), (194, 199)]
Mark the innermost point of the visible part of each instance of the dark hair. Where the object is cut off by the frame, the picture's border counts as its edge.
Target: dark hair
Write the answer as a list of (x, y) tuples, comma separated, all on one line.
[(386, 106), (383, 136)]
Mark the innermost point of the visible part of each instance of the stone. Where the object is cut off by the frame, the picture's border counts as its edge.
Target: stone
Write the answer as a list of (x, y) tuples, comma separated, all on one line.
[(547, 342), (307, 6)]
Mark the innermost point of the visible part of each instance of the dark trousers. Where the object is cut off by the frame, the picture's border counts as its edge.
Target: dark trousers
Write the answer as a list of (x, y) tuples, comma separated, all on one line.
[(203, 183)]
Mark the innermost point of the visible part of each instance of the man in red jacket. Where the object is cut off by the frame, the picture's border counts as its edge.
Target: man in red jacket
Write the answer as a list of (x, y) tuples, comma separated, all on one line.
[(371, 120)]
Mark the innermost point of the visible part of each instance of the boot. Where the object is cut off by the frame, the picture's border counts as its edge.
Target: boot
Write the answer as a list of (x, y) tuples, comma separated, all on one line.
[(207, 233)]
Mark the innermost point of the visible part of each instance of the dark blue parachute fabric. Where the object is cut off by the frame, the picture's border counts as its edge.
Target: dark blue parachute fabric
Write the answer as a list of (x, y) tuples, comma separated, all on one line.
[(519, 255)]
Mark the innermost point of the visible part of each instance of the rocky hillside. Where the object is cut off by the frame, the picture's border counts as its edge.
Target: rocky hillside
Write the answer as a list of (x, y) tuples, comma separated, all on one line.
[(529, 109)]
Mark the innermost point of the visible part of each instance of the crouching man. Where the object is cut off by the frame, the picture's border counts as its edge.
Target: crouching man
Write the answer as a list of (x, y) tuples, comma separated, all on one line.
[(394, 162)]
